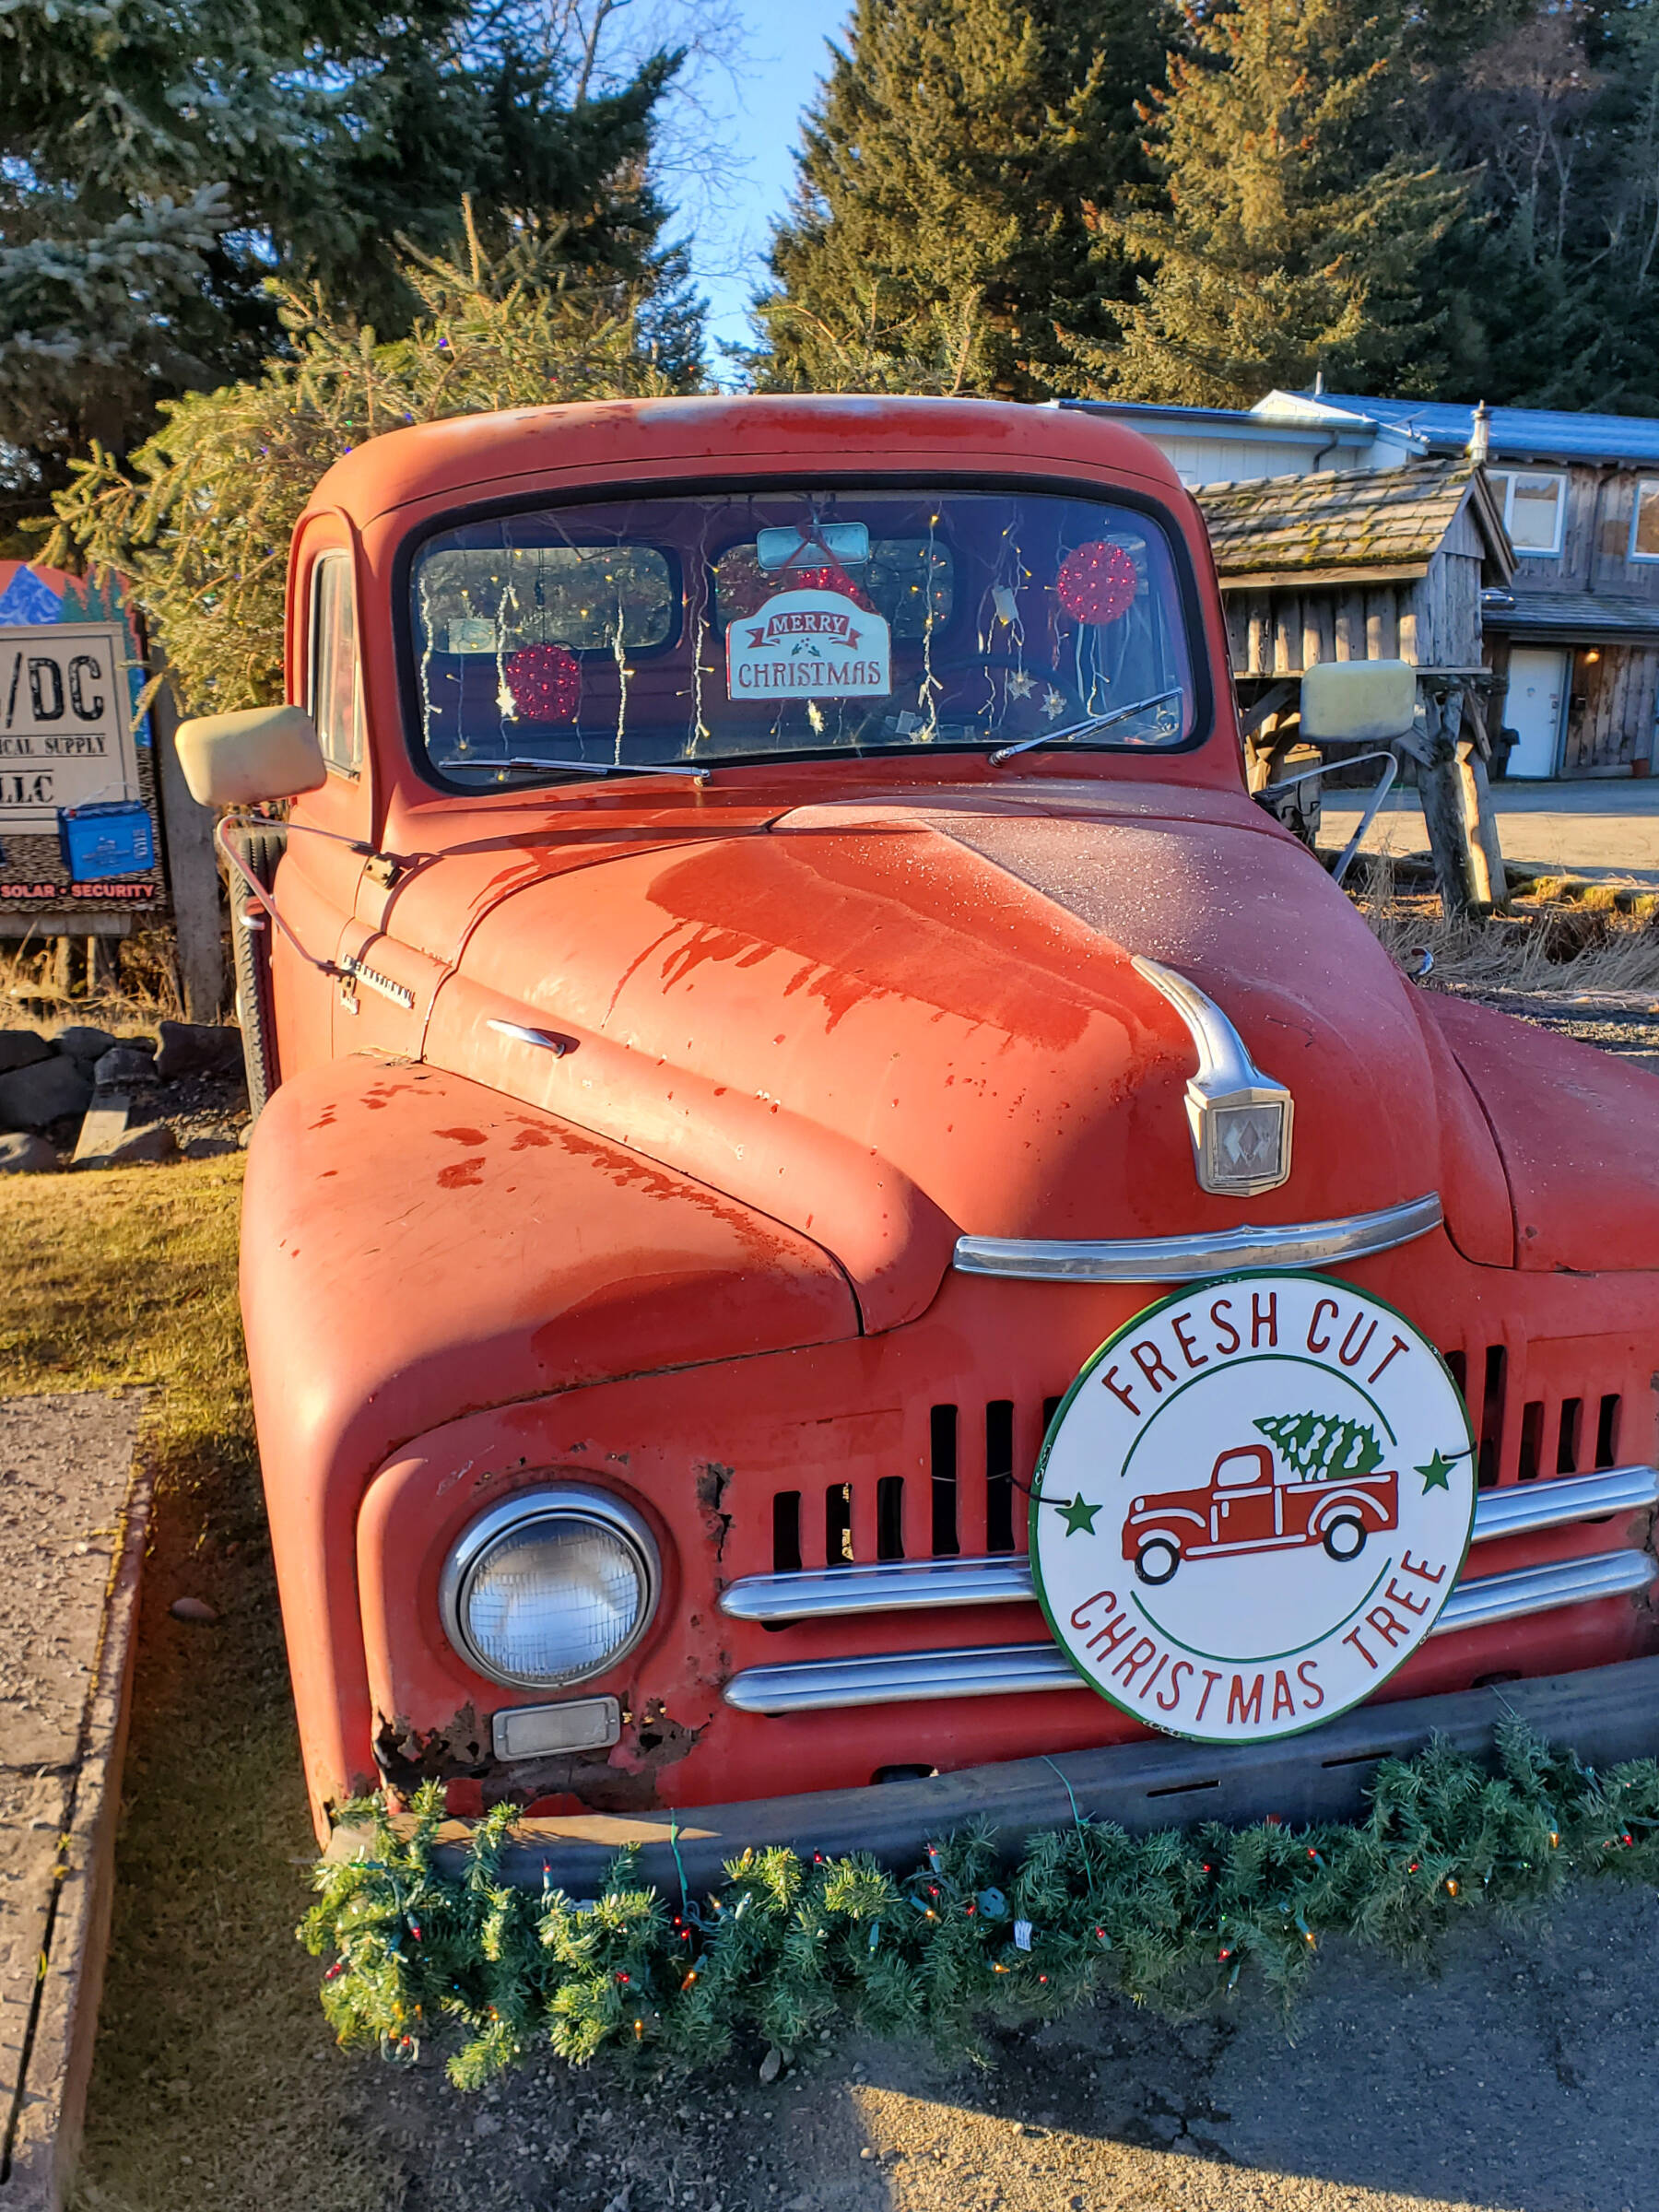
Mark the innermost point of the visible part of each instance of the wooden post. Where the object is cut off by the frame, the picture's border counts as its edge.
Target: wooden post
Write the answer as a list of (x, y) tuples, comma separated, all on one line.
[(1480, 818), (100, 964), (192, 871), (1442, 791), (62, 964)]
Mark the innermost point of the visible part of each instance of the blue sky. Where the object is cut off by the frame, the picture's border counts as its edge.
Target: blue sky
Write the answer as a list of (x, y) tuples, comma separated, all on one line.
[(767, 87)]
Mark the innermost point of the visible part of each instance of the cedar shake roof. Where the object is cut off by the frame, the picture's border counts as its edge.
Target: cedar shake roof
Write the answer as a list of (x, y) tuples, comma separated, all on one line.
[(1586, 617), (1349, 525)]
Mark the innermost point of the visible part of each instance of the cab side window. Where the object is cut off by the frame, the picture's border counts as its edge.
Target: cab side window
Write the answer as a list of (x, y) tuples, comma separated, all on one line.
[(336, 691)]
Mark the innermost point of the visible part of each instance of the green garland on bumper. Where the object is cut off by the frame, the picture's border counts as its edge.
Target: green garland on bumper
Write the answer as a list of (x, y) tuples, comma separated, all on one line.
[(788, 1946)]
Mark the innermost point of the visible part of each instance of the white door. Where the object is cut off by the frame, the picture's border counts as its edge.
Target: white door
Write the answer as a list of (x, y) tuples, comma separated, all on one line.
[(1537, 701)]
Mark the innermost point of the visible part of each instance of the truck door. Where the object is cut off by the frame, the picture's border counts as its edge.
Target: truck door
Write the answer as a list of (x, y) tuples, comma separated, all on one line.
[(317, 881), (1244, 1497)]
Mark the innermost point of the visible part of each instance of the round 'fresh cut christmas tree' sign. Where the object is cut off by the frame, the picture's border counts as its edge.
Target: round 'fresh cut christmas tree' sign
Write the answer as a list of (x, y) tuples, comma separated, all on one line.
[(1251, 1506)]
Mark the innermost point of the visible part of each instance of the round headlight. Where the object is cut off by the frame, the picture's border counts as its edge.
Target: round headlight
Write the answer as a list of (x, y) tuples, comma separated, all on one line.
[(550, 1587)]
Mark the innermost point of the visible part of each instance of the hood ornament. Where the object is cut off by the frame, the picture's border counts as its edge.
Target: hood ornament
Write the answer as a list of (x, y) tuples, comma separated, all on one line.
[(1240, 1118)]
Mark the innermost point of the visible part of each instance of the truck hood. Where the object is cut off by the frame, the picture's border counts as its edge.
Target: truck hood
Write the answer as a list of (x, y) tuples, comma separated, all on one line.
[(888, 1024)]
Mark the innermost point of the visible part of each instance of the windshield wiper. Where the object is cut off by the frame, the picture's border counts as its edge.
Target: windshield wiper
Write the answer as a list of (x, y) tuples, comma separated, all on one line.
[(1087, 727), (587, 767)]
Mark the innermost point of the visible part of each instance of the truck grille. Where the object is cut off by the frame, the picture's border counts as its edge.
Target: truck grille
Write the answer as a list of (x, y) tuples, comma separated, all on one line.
[(967, 1495), (1557, 1427)]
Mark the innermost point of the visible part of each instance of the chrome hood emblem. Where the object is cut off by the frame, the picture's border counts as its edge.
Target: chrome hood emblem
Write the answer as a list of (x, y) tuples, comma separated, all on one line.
[(1240, 1118)]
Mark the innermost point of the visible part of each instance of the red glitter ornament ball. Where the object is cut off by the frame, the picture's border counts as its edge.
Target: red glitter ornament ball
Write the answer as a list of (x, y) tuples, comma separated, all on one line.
[(1097, 581), (545, 682), (833, 578)]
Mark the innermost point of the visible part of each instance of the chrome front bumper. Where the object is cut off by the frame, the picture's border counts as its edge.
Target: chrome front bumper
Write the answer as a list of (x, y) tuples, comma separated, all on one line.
[(1006, 1670)]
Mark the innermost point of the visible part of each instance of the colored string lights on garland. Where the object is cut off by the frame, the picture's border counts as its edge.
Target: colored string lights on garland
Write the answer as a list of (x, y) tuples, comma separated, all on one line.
[(787, 1944)]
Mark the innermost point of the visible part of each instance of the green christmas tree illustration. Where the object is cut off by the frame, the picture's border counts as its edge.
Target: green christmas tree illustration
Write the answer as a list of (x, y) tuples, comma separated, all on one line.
[(1319, 1447)]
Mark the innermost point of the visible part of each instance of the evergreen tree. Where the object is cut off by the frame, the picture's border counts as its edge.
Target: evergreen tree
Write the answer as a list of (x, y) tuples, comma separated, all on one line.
[(937, 231), (1560, 112), (162, 162), (201, 516), (1302, 209)]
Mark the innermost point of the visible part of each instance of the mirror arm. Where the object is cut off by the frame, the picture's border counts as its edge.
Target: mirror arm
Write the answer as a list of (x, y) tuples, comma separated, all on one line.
[(262, 900), (1384, 785)]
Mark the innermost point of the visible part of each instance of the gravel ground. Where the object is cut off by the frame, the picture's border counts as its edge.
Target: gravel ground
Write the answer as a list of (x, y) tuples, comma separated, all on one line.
[(1618, 1022), (208, 1114), (1519, 2081)]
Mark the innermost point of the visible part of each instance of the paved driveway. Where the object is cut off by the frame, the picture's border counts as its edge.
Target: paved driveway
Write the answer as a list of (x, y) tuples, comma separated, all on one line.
[(1600, 829), (1522, 2080)]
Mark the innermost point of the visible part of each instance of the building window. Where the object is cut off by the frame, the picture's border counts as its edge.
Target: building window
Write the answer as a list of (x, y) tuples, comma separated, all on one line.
[(1644, 524), (1534, 506), (337, 686)]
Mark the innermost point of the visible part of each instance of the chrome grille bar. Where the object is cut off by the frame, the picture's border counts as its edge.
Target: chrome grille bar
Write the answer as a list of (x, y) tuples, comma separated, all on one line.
[(1527, 1590), (888, 1587), (1004, 1579), (1008, 1669), (1520, 1508), (1192, 1258)]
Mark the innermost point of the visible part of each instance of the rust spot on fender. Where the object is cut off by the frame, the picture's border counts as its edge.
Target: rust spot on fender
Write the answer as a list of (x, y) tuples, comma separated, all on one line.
[(461, 1175), (711, 1481), (407, 1756), (527, 1137), (623, 1779), (462, 1136)]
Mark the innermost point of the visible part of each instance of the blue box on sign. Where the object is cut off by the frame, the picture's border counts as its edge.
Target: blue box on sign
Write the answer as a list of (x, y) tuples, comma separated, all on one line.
[(116, 839)]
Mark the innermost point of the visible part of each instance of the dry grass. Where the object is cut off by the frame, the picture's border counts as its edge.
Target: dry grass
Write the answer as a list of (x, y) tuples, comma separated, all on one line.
[(145, 990), (215, 2086), (1562, 949)]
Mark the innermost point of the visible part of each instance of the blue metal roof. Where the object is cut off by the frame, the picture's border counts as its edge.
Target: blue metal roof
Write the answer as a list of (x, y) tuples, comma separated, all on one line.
[(1240, 422), (1515, 432)]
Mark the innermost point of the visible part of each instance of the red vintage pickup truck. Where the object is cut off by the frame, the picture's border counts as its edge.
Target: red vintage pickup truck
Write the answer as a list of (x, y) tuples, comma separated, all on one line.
[(758, 879)]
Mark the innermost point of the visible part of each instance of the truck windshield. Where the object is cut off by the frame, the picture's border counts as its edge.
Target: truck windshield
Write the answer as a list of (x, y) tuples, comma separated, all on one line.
[(741, 625)]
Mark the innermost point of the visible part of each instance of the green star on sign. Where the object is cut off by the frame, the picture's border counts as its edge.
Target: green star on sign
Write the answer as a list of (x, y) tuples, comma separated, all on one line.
[(1079, 1517), (1434, 1475)]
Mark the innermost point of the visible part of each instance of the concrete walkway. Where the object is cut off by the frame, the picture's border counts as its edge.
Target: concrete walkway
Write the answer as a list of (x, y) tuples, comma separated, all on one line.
[(72, 1532), (1603, 830)]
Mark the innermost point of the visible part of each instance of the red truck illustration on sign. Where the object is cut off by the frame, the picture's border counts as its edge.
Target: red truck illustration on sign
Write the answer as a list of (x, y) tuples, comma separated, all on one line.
[(1246, 1506)]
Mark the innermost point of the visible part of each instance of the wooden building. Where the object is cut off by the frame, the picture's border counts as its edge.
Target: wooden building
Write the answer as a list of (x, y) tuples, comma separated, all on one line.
[(1378, 564), (1572, 638), (1573, 642)]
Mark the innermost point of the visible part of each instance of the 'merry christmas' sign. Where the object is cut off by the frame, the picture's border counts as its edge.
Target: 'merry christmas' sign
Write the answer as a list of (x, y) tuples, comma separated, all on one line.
[(1251, 1507), (809, 644)]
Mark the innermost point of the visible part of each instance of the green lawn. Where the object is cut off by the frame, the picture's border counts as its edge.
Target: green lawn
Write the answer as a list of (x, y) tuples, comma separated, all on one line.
[(216, 2083)]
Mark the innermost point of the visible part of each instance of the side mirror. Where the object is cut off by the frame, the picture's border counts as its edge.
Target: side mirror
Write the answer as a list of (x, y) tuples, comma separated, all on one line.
[(1363, 703), (261, 753)]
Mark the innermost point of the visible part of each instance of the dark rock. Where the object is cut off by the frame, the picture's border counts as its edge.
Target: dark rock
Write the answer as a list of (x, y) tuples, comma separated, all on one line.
[(195, 1048), (122, 1065), (22, 1048), (193, 1609), (27, 1156), (209, 1148), (84, 1044), (30, 1097)]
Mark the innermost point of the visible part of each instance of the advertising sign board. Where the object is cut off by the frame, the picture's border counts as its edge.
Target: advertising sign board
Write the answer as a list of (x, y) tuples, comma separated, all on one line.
[(79, 830)]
